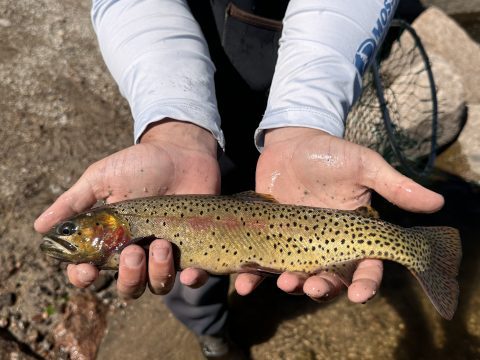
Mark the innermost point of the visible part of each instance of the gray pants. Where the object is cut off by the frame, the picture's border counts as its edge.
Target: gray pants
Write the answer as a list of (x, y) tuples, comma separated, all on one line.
[(203, 310)]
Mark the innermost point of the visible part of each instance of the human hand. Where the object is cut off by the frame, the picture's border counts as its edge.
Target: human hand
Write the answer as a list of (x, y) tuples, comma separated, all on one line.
[(172, 158), (310, 167)]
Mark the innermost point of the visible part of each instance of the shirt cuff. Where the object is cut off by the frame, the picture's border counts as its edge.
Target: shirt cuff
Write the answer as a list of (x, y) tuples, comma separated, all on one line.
[(180, 110), (288, 117)]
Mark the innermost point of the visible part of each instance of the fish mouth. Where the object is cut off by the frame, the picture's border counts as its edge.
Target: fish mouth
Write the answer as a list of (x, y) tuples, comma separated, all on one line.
[(57, 247)]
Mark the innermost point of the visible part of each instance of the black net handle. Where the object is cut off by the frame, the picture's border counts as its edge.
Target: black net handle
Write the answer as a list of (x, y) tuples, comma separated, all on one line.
[(377, 81)]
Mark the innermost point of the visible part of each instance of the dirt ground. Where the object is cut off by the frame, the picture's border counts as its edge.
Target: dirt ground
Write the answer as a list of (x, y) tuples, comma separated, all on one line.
[(61, 111)]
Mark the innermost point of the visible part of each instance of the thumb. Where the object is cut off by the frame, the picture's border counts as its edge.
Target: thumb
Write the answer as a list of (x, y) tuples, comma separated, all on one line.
[(78, 198), (395, 187)]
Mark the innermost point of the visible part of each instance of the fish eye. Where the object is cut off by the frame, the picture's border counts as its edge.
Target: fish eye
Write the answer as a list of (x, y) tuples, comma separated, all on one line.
[(67, 228)]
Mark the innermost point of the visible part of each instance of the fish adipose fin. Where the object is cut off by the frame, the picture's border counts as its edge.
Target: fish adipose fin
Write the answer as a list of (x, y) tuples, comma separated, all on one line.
[(254, 196), (438, 280)]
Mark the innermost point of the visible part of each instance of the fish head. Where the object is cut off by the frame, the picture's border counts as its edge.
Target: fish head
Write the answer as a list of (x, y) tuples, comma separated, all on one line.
[(92, 237)]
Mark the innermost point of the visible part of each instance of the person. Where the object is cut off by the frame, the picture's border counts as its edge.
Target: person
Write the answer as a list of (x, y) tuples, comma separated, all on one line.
[(157, 53)]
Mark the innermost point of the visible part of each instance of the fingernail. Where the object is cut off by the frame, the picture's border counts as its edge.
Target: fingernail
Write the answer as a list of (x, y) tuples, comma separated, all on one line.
[(85, 277), (160, 253), (133, 259)]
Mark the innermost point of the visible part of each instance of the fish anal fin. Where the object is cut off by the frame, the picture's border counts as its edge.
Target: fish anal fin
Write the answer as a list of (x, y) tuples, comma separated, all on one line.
[(367, 211), (254, 268), (344, 271), (254, 196)]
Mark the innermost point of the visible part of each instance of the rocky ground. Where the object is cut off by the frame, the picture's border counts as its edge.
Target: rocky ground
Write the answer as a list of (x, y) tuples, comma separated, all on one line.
[(61, 111)]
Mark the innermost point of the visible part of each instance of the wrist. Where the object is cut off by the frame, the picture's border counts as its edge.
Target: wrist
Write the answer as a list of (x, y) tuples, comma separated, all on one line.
[(277, 135), (180, 133)]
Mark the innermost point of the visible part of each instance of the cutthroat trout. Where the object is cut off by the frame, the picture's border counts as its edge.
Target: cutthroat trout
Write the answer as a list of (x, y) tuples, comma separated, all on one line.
[(251, 232)]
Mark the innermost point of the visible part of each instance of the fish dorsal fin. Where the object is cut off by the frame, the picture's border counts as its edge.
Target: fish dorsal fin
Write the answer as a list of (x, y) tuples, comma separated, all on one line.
[(367, 211), (254, 196)]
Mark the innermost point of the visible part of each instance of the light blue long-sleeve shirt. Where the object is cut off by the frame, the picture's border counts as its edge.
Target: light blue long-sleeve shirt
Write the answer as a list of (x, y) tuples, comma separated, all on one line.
[(159, 58)]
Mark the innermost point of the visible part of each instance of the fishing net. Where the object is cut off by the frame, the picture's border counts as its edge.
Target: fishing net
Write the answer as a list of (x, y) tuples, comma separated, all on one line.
[(398, 113)]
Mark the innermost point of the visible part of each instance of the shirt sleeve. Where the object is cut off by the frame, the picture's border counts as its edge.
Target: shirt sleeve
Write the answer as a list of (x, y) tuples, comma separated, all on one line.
[(325, 48), (159, 58)]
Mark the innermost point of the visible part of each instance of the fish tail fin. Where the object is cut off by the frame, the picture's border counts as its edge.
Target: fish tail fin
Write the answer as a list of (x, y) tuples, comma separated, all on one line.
[(438, 279)]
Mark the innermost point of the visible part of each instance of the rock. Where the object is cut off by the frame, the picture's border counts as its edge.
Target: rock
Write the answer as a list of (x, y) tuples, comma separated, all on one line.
[(463, 157), (455, 6), (442, 36), (82, 328), (11, 349), (4, 322), (5, 23), (7, 299)]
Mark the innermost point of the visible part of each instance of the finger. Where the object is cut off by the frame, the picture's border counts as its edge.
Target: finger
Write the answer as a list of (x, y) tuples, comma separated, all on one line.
[(245, 283), (323, 286), (82, 275), (132, 272), (77, 199), (291, 283), (366, 280), (160, 267), (193, 278), (395, 187)]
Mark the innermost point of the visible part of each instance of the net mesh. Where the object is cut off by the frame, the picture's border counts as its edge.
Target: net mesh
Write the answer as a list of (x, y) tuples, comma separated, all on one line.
[(410, 96)]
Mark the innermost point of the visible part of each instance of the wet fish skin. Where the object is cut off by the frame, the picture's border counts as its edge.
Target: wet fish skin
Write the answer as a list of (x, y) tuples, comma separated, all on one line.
[(250, 232)]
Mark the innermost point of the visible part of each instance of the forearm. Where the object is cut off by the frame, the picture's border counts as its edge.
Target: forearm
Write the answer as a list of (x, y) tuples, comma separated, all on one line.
[(159, 58), (324, 50)]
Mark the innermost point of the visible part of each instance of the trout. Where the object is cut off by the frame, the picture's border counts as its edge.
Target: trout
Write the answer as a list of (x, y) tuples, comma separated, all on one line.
[(249, 232)]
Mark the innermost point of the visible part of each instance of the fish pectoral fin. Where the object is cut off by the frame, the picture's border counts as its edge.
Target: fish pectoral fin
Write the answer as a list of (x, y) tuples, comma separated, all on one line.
[(254, 196), (112, 263), (367, 211), (344, 271)]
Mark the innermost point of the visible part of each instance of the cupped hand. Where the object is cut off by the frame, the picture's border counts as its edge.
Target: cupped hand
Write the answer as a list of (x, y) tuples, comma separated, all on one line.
[(310, 167), (172, 157)]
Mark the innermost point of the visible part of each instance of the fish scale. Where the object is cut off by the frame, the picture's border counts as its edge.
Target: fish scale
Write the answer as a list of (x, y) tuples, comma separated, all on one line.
[(251, 232)]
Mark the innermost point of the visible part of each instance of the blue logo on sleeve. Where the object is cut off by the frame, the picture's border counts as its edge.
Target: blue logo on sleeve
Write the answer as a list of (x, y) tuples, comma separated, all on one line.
[(367, 48), (364, 54)]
